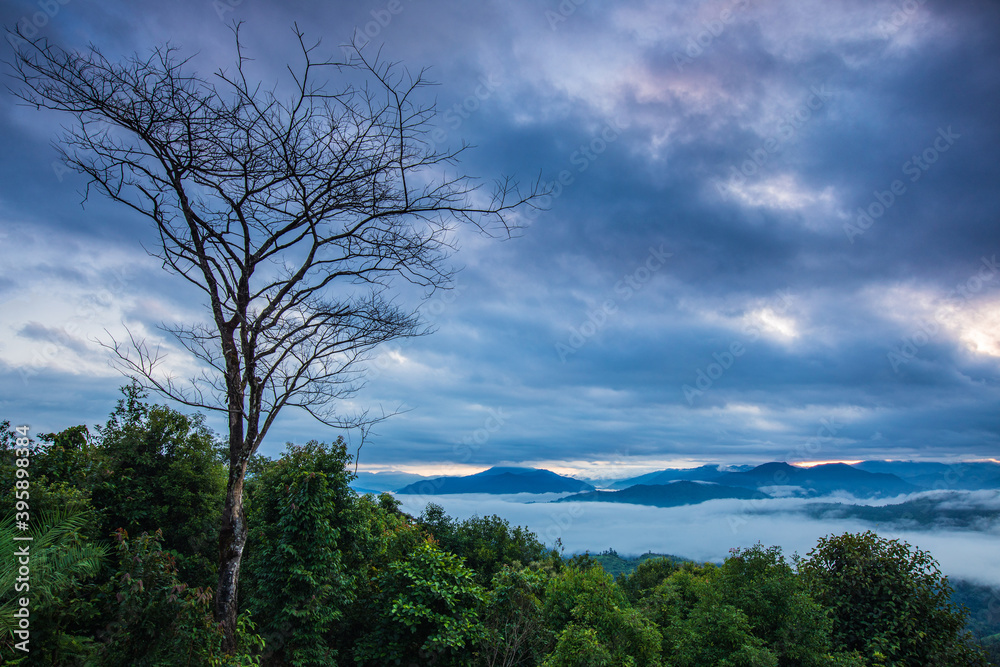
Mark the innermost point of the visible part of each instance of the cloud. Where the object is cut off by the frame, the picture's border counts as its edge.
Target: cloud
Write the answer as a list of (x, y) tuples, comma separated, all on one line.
[(707, 531), (742, 138)]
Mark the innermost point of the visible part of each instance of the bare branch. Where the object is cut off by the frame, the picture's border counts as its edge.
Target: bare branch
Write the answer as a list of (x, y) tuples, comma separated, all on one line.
[(295, 217)]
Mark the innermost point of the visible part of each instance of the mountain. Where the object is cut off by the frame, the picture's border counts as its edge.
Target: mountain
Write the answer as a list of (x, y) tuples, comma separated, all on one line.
[(379, 482), (949, 511), (821, 479), (673, 494), (499, 480), (969, 476), (706, 473)]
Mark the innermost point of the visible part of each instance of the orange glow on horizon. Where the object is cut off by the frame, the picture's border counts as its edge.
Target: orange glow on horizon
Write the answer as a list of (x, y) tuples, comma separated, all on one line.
[(810, 464)]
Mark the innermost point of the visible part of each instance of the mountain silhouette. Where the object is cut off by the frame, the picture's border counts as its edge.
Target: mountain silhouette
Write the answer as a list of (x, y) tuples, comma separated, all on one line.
[(821, 479), (705, 473), (498, 480), (674, 494)]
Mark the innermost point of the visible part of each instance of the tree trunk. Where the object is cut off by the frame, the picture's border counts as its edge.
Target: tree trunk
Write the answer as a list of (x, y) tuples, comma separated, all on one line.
[(232, 538), (233, 531)]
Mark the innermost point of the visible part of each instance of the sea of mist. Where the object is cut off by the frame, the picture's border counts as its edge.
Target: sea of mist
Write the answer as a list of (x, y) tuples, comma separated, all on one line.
[(707, 531)]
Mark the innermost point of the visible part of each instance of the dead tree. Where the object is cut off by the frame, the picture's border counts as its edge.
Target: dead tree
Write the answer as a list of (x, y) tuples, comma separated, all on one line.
[(297, 215)]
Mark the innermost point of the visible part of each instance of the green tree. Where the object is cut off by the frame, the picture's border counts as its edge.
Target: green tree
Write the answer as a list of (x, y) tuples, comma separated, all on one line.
[(698, 628), (889, 601), (69, 457), (427, 612), (297, 583), (583, 606), (647, 575), (155, 620), (315, 551), (161, 470), (515, 632), (487, 543), (759, 582), (716, 634), (63, 468), (581, 646)]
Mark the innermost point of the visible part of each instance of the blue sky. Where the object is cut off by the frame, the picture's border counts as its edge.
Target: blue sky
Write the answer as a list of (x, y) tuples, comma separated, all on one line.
[(773, 232)]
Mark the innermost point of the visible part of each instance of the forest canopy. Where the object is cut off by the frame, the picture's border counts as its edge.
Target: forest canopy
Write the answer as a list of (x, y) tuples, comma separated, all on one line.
[(125, 520)]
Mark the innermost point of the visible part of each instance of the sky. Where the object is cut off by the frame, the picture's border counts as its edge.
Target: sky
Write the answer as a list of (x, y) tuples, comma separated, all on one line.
[(772, 232)]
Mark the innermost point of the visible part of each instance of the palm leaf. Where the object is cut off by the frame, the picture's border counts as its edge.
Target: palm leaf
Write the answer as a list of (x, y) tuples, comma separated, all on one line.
[(58, 558)]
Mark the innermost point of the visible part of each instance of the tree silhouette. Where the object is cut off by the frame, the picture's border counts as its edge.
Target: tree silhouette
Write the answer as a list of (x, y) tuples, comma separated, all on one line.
[(296, 217)]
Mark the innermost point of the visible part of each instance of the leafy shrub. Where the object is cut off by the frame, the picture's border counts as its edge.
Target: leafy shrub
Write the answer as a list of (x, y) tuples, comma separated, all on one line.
[(889, 601), (427, 610), (154, 618), (583, 605)]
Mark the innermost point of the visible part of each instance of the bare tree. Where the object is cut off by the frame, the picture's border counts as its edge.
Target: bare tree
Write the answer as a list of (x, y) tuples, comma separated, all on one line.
[(295, 216)]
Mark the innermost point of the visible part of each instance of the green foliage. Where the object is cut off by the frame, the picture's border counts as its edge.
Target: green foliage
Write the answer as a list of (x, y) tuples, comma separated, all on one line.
[(62, 469), (161, 470), (716, 634), (148, 468), (151, 467), (487, 543), (154, 618), (698, 628), (296, 583), (314, 552), (515, 632), (60, 561), (750, 611), (991, 647), (619, 566), (580, 646), (427, 611), (581, 600), (983, 603), (68, 458), (758, 582), (331, 577), (647, 575), (889, 601)]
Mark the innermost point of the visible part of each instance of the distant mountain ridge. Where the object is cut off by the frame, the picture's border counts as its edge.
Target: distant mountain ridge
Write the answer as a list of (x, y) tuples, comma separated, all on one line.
[(821, 480), (950, 510), (705, 473), (380, 482), (499, 480), (969, 475), (869, 479), (811, 481), (673, 494)]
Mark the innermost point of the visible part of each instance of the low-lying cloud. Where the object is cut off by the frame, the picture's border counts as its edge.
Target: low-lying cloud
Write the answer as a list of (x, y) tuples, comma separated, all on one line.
[(707, 531)]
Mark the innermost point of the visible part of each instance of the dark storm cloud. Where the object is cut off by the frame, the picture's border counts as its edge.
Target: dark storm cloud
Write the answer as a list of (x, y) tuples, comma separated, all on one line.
[(733, 143)]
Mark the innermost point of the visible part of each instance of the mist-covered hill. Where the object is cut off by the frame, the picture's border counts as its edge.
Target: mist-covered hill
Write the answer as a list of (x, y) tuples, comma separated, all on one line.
[(868, 479), (499, 480), (673, 494)]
